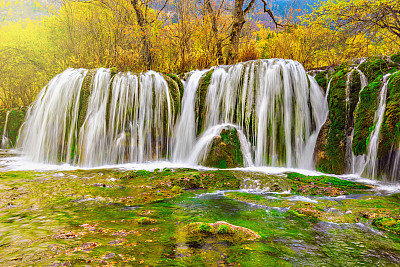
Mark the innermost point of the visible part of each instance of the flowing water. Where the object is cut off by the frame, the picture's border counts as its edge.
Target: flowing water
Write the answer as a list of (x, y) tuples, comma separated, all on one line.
[(276, 107), (371, 167), (5, 142)]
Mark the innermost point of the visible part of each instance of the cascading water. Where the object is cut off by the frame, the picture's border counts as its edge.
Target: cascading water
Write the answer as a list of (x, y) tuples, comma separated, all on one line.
[(370, 167), (89, 119), (273, 102), (128, 118), (5, 142), (202, 147), (185, 136), (357, 163)]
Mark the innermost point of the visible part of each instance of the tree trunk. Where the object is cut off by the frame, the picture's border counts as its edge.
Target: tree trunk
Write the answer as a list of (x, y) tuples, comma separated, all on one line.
[(238, 17), (214, 27), (146, 49)]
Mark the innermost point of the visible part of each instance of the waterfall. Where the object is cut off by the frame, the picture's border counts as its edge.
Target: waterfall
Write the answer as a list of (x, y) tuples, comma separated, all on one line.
[(128, 118), (370, 167), (185, 136), (92, 118), (5, 142), (276, 105), (357, 163)]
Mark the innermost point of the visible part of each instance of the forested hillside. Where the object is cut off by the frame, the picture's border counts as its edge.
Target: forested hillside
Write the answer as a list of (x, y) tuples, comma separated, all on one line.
[(179, 36)]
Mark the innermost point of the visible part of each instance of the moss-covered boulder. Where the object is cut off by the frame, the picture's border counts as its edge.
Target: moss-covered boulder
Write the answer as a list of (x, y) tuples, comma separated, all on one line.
[(364, 116), (376, 66), (330, 148), (16, 117), (225, 151), (322, 79), (199, 232)]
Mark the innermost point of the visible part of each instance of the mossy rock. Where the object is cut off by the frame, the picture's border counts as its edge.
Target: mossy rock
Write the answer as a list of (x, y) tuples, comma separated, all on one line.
[(387, 224), (321, 79), (330, 148), (16, 118), (396, 58), (390, 131), (364, 116), (201, 95), (223, 231), (180, 84), (376, 66), (174, 91), (225, 150)]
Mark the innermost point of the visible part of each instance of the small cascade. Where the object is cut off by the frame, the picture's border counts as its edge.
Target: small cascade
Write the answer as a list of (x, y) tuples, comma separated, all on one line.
[(370, 168), (185, 137), (203, 145), (348, 151), (358, 162), (5, 142)]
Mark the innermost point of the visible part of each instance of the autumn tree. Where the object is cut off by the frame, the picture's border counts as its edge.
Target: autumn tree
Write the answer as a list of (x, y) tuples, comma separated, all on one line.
[(369, 16)]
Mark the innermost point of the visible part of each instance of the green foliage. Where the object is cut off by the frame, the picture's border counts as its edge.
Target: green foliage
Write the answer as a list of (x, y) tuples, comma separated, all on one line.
[(396, 58), (322, 80)]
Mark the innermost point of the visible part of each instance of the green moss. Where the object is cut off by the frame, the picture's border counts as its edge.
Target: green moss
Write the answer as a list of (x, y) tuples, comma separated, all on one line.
[(175, 91), (224, 229), (146, 220), (326, 180), (364, 116), (225, 150), (334, 146), (206, 228), (387, 224), (180, 85), (396, 58), (201, 95), (376, 66), (322, 80), (390, 129)]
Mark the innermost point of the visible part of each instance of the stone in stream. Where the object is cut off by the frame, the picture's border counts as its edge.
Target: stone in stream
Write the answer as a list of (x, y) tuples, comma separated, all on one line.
[(225, 150)]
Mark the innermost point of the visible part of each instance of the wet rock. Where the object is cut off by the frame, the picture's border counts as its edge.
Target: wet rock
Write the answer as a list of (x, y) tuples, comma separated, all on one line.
[(225, 150)]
